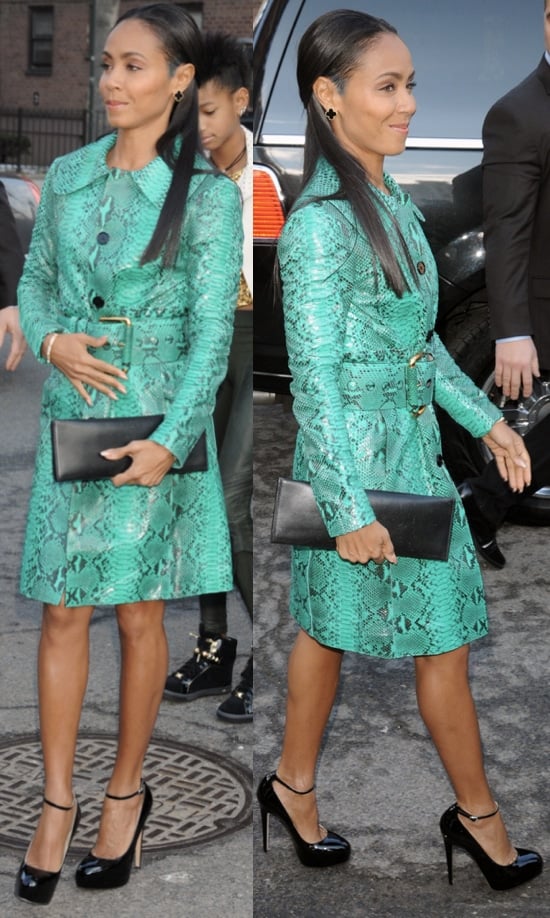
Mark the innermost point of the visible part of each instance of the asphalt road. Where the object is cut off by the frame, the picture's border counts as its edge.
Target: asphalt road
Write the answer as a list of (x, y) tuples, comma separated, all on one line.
[(380, 783)]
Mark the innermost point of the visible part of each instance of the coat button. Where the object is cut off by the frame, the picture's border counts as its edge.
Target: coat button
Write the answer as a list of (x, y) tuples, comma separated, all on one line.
[(421, 267), (98, 302), (103, 238), (439, 459)]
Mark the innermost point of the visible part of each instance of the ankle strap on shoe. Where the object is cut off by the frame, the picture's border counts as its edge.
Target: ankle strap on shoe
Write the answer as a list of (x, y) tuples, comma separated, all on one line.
[(139, 791), (58, 806), (476, 818), (301, 793)]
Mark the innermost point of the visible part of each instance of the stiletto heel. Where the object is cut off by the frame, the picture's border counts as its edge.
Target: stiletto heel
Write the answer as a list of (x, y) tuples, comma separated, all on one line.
[(265, 827), (137, 855), (526, 865), (333, 849), (108, 873), (449, 855), (35, 884)]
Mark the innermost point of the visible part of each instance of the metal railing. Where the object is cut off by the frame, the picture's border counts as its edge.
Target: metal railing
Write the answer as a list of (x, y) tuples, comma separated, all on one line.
[(33, 138)]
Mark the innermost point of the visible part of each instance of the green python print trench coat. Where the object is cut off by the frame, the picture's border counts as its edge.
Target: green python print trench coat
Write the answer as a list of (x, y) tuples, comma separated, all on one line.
[(90, 542), (350, 339)]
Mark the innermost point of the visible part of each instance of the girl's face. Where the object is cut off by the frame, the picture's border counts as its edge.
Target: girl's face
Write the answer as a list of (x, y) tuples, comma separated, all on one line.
[(219, 113), (374, 110), (136, 85)]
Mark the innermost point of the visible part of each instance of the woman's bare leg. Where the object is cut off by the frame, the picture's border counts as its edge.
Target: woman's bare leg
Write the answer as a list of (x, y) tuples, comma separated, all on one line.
[(62, 679), (144, 663), (448, 710), (313, 674)]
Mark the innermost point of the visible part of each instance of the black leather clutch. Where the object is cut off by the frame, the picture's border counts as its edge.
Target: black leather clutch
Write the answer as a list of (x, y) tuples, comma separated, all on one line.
[(77, 445), (419, 525)]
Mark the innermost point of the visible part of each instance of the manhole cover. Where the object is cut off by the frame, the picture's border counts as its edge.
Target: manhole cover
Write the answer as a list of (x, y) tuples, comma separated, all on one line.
[(197, 794)]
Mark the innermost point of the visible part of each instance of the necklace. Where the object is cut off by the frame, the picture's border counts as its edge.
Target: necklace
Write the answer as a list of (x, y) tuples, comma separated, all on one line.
[(236, 160)]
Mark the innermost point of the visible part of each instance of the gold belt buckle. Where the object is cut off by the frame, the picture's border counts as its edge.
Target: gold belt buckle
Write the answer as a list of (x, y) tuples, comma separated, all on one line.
[(416, 357), (412, 363), (127, 345)]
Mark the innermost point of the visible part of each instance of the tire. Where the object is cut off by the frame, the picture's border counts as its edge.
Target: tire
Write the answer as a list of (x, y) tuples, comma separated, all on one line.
[(470, 345)]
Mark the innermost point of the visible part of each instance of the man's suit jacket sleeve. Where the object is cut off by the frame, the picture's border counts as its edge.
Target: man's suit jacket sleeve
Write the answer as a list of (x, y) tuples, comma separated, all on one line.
[(11, 253), (511, 184)]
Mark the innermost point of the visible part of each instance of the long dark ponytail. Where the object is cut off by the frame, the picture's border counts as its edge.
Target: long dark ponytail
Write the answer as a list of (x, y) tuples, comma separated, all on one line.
[(182, 44), (331, 47)]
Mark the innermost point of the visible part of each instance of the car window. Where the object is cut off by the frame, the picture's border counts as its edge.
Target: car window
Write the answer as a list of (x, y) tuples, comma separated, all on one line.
[(467, 54)]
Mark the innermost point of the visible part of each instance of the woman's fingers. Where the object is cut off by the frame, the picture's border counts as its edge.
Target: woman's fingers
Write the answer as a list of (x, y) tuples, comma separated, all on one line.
[(370, 543), (71, 356)]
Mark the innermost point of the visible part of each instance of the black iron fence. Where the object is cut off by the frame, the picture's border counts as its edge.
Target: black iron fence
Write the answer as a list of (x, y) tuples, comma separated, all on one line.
[(32, 138)]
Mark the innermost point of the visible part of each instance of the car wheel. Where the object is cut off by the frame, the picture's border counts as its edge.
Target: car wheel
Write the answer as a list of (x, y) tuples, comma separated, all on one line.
[(466, 456)]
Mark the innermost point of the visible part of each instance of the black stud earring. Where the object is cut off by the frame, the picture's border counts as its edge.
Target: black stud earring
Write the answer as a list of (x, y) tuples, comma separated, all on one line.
[(178, 96), (330, 114)]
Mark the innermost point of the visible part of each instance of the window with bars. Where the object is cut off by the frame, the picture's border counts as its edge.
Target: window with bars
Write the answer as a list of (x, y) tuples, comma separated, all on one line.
[(40, 39)]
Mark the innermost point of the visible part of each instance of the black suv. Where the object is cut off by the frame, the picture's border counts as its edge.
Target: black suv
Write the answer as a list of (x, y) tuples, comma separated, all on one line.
[(466, 56)]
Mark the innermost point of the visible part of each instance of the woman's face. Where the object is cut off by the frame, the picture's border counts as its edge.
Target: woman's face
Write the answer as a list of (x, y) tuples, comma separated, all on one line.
[(136, 85), (219, 114), (375, 108)]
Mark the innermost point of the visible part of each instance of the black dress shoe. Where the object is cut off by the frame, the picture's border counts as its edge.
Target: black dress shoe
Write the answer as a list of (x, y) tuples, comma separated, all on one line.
[(483, 535)]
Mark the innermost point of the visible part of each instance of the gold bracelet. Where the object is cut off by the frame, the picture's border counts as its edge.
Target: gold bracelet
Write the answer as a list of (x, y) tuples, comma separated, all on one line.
[(50, 345)]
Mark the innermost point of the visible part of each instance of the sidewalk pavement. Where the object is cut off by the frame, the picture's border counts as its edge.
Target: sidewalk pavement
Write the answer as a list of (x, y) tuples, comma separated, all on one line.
[(198, 881)]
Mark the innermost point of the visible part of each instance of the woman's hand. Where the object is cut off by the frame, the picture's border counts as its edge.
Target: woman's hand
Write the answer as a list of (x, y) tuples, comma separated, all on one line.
[(150, 463), (70, 354), (371, 543), (9, 325), (511, 456)]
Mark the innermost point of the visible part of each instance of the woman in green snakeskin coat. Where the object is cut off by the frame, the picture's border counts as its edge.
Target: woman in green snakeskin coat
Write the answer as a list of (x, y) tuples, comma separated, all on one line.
[(100, 251), (360, 297)]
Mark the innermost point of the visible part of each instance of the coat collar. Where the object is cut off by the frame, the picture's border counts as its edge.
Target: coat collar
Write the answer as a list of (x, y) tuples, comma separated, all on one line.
[(89, 164), (325, 181)]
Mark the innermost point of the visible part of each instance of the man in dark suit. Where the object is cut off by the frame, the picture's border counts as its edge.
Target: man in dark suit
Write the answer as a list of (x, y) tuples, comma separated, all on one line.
[(11, 266), (516, 211)]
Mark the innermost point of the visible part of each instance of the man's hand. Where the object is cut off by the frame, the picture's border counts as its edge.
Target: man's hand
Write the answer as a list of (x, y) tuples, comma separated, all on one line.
[(516, 362), (9, 325)]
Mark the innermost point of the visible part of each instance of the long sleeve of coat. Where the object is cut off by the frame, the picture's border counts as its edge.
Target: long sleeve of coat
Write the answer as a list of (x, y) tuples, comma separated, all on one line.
[(213, 265), (38, 288), (459, 395), (315, 326)]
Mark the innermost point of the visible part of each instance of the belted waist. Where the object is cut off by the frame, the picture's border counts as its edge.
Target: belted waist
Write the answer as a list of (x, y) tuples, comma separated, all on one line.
[(133, 341), (380, 385)]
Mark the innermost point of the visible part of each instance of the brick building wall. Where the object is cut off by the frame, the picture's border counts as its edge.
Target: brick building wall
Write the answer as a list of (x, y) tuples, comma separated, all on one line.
[(67, 87)]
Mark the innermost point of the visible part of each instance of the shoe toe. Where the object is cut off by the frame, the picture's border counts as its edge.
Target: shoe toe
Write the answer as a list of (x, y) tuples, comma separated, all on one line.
[(490, 552)]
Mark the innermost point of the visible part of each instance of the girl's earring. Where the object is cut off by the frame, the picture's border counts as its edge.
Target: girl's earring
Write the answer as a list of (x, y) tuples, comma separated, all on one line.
[(330, 114), (178, 96)]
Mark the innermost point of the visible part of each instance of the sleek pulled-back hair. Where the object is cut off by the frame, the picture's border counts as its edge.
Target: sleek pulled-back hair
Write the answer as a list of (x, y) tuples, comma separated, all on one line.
[(225, 62), (332, 47), (181, 42)]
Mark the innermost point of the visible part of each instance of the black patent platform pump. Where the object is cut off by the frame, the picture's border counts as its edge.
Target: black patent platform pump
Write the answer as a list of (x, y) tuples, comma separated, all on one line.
[(527, 864), (108, 873), (36, 885), (333, 849)]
